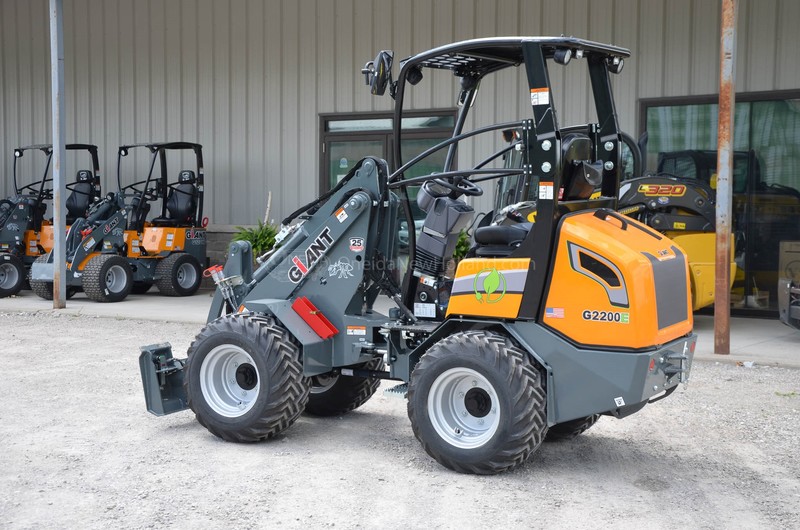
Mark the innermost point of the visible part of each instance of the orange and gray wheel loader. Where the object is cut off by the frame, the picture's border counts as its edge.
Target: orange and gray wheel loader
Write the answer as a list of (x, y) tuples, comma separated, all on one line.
[(552, 324)]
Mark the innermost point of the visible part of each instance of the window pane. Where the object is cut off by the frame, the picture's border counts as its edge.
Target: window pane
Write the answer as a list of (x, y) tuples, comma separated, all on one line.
[(385, 124), (766, 179), (382, 124), (346, 154)]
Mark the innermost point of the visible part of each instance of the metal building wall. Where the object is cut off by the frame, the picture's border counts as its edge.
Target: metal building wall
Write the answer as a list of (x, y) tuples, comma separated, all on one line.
[(248, 78)]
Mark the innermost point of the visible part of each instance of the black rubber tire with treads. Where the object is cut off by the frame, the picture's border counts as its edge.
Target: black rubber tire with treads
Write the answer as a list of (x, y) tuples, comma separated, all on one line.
[(41, 288), (570, 429), (178, 274), (338, 394), (509, 404), (281, 390), (107, 278), (12, 275)]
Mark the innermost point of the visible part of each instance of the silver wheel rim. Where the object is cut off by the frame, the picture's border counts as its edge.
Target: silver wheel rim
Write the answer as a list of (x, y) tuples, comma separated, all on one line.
[(116, 279), (226, 381), (186, 275), (9, 275), (463, 408), (323, 383)]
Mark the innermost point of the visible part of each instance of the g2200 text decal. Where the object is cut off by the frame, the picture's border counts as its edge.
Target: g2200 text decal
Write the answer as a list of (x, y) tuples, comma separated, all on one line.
[(618, 317)]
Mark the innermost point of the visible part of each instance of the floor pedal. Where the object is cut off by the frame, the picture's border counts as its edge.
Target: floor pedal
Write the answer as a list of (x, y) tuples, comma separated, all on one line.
[(399, 391)]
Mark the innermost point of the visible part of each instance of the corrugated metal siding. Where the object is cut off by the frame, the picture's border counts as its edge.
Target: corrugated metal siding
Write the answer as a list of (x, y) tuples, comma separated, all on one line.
[(248, 78)]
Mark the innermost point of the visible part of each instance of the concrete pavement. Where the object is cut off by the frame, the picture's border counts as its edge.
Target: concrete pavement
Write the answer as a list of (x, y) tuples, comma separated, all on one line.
[(761, 341)]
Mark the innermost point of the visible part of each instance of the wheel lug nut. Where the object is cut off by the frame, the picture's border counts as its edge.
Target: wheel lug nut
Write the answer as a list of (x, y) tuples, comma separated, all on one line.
[(461, 394), (474, 383), (464, 413), (480, 422)]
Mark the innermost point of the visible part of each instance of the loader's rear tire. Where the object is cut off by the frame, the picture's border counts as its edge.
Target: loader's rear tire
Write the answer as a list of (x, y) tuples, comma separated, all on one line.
[(107, 278), (570, 429), (477, 403), (334, 394), (12, 275), (244, 378), (178, 275)]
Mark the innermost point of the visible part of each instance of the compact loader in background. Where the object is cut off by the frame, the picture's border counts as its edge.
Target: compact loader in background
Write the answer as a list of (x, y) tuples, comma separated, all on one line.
[(25, 233), (553, 323), (116, 250)]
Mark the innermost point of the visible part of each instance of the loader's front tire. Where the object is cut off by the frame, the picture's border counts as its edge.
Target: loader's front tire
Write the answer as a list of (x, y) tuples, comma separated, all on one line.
[(44, 289), (41, 288), (107, 278), (477, 403), (244, 378), (570, 429), (12, 275), (334, 394), (178, 275)]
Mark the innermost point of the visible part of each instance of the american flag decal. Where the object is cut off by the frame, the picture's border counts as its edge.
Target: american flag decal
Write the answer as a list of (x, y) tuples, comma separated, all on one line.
[(554, 312)]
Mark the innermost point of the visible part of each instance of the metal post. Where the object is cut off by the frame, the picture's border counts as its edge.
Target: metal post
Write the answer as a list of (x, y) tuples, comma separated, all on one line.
[(59, 152), (727, 93)]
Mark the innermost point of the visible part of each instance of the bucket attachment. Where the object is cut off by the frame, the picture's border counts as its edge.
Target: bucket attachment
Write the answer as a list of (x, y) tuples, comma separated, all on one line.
[(162, 377)]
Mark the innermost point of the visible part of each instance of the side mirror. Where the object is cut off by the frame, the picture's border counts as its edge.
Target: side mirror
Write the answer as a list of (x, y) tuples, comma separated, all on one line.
[(378, 73)]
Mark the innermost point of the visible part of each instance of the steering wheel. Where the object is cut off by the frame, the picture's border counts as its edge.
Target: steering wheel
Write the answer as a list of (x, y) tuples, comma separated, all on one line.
[(463, 187), (33, 188), (133, 186)]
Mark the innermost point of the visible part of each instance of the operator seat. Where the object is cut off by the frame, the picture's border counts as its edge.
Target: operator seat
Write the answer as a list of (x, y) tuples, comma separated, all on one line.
[(78, 201), (181, 201), (579, 179)]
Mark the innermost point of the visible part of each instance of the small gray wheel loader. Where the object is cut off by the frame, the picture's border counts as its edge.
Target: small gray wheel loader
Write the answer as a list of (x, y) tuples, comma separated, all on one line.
[(549, 325), (25, 232), (115, 250)]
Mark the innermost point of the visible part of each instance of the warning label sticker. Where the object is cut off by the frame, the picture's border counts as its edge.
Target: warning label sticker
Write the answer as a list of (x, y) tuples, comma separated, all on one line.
[(546, 191), (357, 330), (540, 96)]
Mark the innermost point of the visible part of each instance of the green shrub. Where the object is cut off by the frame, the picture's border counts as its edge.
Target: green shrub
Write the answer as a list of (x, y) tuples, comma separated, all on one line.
[(462, 246), (261, 237)]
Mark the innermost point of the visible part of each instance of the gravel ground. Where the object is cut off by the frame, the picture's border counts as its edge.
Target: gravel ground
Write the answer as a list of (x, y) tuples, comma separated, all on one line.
[(78, 450)]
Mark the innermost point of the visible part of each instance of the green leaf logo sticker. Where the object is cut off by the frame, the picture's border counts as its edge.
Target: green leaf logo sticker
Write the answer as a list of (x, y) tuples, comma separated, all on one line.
[(492, 286)]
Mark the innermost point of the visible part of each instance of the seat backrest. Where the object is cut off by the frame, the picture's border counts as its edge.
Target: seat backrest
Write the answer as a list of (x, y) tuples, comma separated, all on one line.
[(581, 176), (80, 197), (182, 198)]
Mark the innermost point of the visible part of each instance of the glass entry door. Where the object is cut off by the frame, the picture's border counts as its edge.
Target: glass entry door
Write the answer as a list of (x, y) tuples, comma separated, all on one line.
[(347, 138)]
